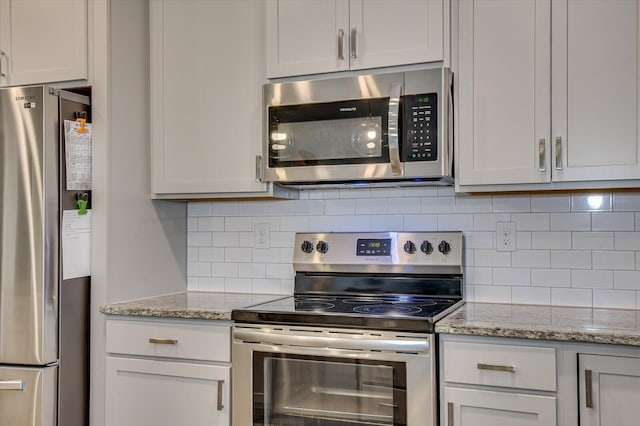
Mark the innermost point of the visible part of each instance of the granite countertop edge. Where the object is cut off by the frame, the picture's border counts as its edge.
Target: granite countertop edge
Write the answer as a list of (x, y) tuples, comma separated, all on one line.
[(167, 313)]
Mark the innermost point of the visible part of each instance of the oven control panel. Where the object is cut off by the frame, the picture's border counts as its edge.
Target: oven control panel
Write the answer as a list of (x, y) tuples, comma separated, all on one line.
[(367, 251)]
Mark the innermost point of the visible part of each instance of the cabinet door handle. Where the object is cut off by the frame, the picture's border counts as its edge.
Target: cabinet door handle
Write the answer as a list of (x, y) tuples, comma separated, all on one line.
[(542, 164), (491, 367), (220, 385), (588, 388), (558, 153), (449, 413), (394, 117), (341, 44), (354, 50), (12, 384), (163, 340), (2, 55)]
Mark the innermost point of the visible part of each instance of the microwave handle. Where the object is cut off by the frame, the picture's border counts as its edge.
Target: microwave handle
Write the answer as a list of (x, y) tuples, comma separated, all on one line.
[(394, 117)]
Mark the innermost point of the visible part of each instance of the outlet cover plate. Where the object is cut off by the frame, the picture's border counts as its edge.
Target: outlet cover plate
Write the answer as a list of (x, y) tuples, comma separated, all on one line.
[(505, 236)]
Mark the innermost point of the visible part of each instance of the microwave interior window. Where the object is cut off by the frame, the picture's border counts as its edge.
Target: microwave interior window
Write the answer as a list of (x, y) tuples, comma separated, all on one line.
[(346, 132), (297, 390)]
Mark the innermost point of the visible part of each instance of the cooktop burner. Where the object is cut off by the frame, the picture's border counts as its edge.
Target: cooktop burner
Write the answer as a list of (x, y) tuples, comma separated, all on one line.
[(387, 309)]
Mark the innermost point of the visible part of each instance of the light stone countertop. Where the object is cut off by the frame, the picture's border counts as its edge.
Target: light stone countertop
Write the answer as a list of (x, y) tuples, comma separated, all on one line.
[(587, 325), (189, 304)]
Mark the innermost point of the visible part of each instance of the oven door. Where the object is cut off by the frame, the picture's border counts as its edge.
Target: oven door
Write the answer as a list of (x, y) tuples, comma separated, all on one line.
[(310, 376)]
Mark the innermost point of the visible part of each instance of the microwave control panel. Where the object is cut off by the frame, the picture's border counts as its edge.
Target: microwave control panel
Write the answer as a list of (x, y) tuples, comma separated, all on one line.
[(421, 127)]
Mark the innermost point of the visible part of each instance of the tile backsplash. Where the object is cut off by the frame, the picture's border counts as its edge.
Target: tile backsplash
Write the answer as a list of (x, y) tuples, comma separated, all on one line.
[(576, 250)]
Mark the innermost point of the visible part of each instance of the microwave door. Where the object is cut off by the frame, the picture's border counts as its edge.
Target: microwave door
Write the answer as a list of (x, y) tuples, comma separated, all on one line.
[(394, 122)]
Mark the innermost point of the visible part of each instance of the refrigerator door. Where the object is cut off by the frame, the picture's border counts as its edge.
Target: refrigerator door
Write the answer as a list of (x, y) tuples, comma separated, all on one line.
[(28, 226), (28, 396)]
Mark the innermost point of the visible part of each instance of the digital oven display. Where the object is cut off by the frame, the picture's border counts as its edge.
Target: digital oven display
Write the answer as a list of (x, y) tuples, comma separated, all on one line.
[(373, 247)]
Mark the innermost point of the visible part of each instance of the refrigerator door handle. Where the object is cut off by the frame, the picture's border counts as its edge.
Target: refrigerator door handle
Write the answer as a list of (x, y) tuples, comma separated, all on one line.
[(12, 384)]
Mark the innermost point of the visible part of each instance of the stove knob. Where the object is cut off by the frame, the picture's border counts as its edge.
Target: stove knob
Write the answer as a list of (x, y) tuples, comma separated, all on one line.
[(409, 247), (426, 247), (322, 247), (444, 247), (307, 246)]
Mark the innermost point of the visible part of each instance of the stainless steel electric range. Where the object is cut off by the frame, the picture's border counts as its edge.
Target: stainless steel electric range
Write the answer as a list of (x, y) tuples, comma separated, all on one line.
[(354, 345)]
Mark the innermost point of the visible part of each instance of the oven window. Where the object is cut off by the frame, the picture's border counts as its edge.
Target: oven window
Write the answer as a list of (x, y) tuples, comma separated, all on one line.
[(298, 390)]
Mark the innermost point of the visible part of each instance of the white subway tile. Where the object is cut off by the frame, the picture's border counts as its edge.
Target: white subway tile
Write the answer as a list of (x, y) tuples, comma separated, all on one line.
[(198, 269), (637, 221), (626, 280), (551, 240), (626, 202), (283, 208), (624, 260), (245, 239), (286, 254), (331, 194), (445, 191), (314, 194), (225, 239), (570, 259), (266, 286), (487, 221), (592, 240), (252, 270), (472, 204), (512, 276), (252, 208), (404, 205), (237, 254), (627, 241), (531, 295), (339, 207), (237, 224), (572, 297), (273, 222), (613, 221), (303, 195), (238, 285), (511, 204), (570, 221), (192, 254), (469, 293), (455, 222), (437, 204), (479, 240), (531, 221), (386, 192), (616, 299), (637, 299), (282, 239), (523, 240), (355, 223), (491, 294), (283, 271), (324, 223), (531, 258), (468, 257), (371, 206), (591, 203), (211, 284), (192, 284), (211, 254), (265, 255), (550, 203), (355, 193), (199, 239), (225, 270), (581, 278), (225, 208), (551, 277), (425, 191), (295, 224), (192, 224), (198, 209), (494, 258), (638, 260), (286, 287), (308, 207), (478, 276), (210, 224), (420, 222), (387, 223)]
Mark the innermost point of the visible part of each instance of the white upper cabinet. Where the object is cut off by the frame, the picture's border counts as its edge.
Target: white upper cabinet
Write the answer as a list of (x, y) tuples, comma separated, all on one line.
[(310, 36), (42, 41), (548, 92)]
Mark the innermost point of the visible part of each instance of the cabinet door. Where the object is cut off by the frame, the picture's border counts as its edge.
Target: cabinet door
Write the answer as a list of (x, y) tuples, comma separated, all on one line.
[(143, 392), (468, 407), (207, 69), (42, 41), (609, 390), (595, 89), (503, 84), (395, 32), (307, 37)]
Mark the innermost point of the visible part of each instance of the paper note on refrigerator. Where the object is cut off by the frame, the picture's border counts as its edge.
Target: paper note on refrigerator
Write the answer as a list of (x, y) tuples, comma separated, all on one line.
[(78, 149), (76, 244)]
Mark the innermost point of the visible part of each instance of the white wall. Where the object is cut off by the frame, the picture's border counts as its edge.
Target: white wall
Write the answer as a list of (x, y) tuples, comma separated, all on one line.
[(567, 254)]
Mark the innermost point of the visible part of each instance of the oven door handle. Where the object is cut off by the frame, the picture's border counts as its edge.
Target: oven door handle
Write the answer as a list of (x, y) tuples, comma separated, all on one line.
[(394, 124), (350, 343)]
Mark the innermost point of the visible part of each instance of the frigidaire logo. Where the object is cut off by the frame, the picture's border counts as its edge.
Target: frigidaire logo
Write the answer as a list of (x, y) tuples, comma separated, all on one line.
[(348, 109)]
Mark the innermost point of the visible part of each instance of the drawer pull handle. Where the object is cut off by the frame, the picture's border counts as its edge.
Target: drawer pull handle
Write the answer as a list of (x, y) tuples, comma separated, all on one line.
[(491, 367), (588, 388), (163, 341), (220, 384)]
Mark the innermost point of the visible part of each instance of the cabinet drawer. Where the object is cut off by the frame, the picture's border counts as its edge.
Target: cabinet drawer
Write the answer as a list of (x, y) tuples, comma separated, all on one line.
[(511, 366), (208, 342)]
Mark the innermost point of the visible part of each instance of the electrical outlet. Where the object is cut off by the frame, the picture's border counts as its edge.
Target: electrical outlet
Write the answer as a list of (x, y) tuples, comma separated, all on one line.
[(506, 236), (261, 235)]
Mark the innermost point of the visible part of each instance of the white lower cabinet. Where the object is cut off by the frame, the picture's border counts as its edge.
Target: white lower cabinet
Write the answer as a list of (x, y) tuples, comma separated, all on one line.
[(609, 390), (168, 372)]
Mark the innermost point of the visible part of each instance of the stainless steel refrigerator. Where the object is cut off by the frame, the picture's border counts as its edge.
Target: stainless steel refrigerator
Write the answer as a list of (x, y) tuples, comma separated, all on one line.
[(43, 318)]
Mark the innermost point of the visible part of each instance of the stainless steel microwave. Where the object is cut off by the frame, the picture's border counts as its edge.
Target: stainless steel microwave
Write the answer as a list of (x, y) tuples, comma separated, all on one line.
[(389, 128)]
